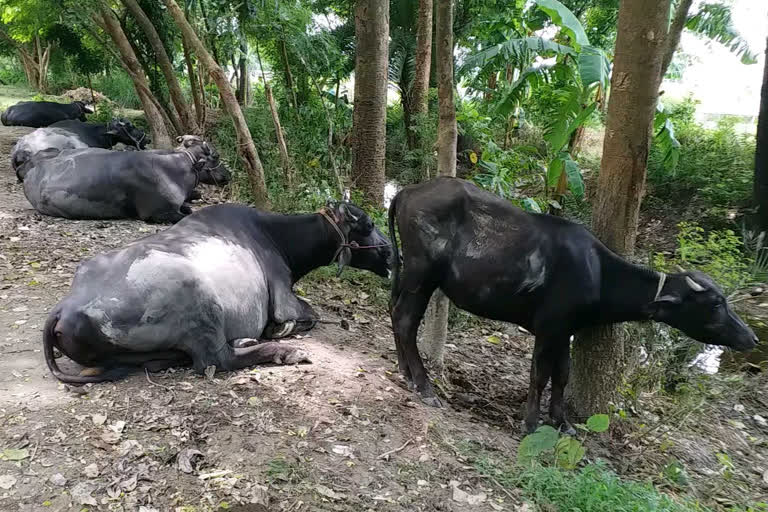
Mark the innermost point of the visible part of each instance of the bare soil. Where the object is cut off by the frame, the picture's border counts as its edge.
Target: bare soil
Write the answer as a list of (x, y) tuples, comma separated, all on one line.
[(339, 434)]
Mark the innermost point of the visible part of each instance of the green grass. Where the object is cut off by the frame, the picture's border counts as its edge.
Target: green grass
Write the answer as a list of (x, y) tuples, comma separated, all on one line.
[(12, 94)]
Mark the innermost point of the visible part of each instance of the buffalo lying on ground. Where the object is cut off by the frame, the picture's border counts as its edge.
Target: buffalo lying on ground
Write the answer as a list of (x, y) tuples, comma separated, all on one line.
[(206, 291), (95, 183), (544, 273), (38, 114), (75, 135)]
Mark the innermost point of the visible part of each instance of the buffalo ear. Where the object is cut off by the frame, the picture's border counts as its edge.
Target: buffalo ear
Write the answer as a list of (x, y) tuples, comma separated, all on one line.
[(346, 213), (345, 256)]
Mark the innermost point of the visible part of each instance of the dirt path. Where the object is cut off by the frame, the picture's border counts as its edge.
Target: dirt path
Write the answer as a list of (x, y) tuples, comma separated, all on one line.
[(339, 434)]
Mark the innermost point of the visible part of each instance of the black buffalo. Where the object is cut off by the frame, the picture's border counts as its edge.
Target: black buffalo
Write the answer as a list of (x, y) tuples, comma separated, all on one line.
[(96, 183), (106, 135), (76, 135), (546, 274), (206, 291), (38, 114)]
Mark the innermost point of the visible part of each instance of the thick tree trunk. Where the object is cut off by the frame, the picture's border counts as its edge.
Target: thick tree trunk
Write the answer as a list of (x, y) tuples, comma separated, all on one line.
[(417, 101), (246, 147), (673, 37), (436, 318), (598, 355), (761, 153), (160, 136), (370, 110), (188, 122)]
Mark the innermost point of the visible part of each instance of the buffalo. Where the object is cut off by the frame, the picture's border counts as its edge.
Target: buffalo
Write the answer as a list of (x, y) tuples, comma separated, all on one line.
[(38, 114)]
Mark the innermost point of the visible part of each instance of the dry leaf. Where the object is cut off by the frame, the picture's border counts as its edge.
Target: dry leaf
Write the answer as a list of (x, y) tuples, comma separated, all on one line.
[(91, 470), (58, 479), (184, 460), (117, 426), (81, 493), (99, 419), (7, 481), (460, 496), (328, 493), (13, 454), (110, 437), (344, 451), (129, 484)]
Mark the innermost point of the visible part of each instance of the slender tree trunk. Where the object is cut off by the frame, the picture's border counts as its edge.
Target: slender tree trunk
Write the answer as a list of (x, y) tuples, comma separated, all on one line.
[(160, 135), (242, 85), (287, 72), (246, 147), (197, 96), (492, 78), (673, 37), (188, 122), (285, 160), (417, 101), (761, 153), (370, 111), (436, 318), (598, 355)]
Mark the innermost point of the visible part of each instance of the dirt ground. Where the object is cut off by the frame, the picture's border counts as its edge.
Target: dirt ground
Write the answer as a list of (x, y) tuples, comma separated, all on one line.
[(340, 434)]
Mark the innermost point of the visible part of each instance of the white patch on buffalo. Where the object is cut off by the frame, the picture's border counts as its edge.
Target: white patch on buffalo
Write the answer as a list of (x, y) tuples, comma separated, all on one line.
[(537, 272)]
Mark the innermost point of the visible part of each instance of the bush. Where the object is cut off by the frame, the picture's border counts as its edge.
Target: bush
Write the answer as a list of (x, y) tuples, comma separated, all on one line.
[(118, 87), (715, 165)]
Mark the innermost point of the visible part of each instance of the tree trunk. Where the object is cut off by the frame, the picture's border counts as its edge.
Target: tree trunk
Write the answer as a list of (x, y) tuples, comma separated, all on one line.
[(598, 355), (188, 123), (370, 109), (673, 37), (288, 75), (242, 85), (436, 318), (761, 153), (420, 87), (246, 147), (492, 78), (197, 96), (285, 160), (111, 25)]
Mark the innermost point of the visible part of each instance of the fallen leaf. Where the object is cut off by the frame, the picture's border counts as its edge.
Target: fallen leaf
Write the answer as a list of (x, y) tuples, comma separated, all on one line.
[(58, 479), (99, 419), (214, 474), (738, 408), (91, 470), (760, 420), (524, 508), (7, 481), (117, 426), (81, 493), (259, 495), (328, 493), (142, 508), (131, 447), (344, 451), (765, 476), (184, 460), (129, 484), (460, 496), (110, 437), (493, 339), (13, 454)]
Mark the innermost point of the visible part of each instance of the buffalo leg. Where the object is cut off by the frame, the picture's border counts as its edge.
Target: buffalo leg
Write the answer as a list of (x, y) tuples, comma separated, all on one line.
[(406, 316), (560, 370), (288, 314), (267, 352), (166, 217), (541, 370)]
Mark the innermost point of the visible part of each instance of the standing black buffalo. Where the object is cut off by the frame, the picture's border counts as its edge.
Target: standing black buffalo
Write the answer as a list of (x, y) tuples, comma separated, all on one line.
[(544, 273), (95, 183), (38, 114), (75, 135), (206, 290)]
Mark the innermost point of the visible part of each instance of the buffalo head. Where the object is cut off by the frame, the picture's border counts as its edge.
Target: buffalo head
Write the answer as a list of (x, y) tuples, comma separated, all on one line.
[(84, 109), (693, 303), (123, 131), (214, 172), (367, 247)]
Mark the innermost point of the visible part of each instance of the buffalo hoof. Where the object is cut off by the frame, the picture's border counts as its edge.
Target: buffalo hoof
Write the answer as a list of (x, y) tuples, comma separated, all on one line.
[(91, 372), (291, 355), (245, 342), (529, 427), (432, 401)]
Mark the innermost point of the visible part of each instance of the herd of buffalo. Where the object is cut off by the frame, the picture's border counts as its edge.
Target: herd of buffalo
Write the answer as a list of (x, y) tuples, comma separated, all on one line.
[(216, 288)]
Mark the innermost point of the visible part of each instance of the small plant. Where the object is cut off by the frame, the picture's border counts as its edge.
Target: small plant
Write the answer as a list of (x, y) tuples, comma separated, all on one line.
[(548, 446)]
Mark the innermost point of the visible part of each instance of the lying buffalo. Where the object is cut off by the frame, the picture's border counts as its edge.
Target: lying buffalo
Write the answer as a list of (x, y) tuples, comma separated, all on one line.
[(106, 135), (544, 273), (38, 114), (219, 176), (206, 291), (95, 183), (74, 135)]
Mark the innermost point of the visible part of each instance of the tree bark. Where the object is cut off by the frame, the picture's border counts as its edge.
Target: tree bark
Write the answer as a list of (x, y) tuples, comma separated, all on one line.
[(761, 152), (370, 109), (197, 96), (673, 37), (436, 317), (287, 73), (242, 84), (246, 147), (417, 102), (598, 355), (128, 59), (285, 159), (188, 122)]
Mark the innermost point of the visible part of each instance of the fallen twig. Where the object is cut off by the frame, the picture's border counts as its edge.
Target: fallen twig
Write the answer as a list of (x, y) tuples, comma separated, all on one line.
[(386, 455), (146, 372)]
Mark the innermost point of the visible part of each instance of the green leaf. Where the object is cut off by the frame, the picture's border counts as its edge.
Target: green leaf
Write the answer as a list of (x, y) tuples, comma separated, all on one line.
[(564, 18), (598, 422), (594, 67), (493, 339), (554, 171), (714, 21), (664, 138), (568, 452), (575, 180), (530, 204), (13, 454), (533, 445)]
